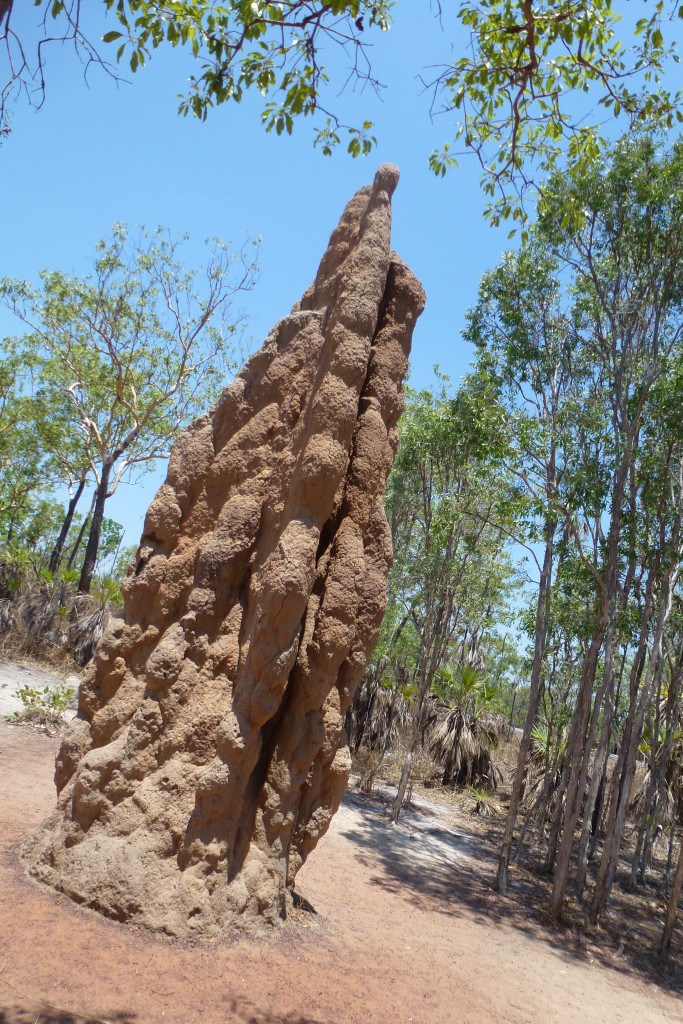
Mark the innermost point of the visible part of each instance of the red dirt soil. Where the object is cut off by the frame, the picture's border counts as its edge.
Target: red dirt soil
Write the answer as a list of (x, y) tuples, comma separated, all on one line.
[(401, 933)]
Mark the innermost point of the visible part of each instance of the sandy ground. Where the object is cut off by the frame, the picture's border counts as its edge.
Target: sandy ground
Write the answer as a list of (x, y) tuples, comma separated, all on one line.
[(406, 929), (14, 675)]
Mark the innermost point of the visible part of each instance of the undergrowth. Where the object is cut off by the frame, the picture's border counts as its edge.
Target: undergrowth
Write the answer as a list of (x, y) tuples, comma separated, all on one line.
[(44, 618), (43, 706)]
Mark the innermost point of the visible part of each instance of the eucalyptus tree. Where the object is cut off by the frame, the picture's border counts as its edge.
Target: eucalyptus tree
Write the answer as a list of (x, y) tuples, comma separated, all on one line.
[(660, 513), (443, 501), (13, 463), (618, 231), (607, 251), (39, 451), (138, 347), (661, 743), (522, 338), (27, 437)]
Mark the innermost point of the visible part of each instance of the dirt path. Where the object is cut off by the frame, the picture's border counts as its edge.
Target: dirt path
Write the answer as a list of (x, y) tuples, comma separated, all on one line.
[(389, 943)]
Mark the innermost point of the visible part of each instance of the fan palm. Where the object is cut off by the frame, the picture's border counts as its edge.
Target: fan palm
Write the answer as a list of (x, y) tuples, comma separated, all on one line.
[(544, 768), (464, 728)]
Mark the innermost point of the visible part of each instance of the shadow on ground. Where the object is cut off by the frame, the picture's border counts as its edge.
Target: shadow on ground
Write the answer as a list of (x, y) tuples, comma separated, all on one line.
[(246, 1015), (435, 865), (52, 1015), (239, 1014)]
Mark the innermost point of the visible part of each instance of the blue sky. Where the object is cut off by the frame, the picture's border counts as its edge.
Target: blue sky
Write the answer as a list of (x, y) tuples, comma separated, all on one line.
[(99, 154)]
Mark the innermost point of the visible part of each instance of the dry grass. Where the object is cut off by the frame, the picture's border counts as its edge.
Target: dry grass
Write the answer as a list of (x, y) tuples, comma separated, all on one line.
[(51, 625)]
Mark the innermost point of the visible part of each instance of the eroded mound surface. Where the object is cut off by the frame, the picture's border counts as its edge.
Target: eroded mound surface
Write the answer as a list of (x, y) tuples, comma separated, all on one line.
[(208, 755)]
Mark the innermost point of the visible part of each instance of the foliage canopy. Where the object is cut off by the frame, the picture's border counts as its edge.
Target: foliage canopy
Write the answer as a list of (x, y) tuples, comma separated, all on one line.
[(530, 82)]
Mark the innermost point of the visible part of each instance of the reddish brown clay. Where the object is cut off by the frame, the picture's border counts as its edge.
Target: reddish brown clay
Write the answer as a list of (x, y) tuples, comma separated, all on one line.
[(208, 755)]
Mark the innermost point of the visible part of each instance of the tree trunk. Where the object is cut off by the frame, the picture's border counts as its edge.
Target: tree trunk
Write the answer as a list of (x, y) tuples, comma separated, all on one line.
[(541, 799), (650, 795), (610, 852), (512, 708), (85, 525), (434, 639), (575, 747), (579, 745), (663, 762), (542, 617), (93, 544), (672, 906), (672, 833), (579, 768), (56, 556), (593, 800), (425, 686), (598, 810), (367, 779), (405, 777)]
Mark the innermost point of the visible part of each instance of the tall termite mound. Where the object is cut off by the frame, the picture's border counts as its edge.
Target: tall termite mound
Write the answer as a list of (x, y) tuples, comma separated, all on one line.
[(208, 755)]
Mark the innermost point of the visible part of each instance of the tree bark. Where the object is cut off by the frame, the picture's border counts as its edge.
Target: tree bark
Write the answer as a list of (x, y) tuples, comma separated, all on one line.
[(56, 556), (425, 686), (593, 800), (579, 768), (610, 853), (542, 617), (651, 794), (85, 525), (664, 762), (672, 906), (579, 745), (672, 833), (93, 544)]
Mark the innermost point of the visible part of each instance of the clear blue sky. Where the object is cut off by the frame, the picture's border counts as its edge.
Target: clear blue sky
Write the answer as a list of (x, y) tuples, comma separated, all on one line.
[(93, 156)]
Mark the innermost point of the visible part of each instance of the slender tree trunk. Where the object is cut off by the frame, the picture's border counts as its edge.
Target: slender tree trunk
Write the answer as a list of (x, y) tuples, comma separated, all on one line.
[(540, 801), (672, 833), (577, 785), (85, 525), (542, 617), (435, 635), (575, 743), (615, 829), (638, 865), (579, 745), (672, 906), (595, 801), (597, 784), (93, 544), (405, 776), (576, 767), (598, 810), (424, 687), (367, 779), (610, 852), (617, 780), (56, 556), (512, 709), (661, 798)]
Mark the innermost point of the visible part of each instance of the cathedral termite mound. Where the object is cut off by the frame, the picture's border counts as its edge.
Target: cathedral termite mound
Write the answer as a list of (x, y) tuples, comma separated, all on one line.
[(208, 755)]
